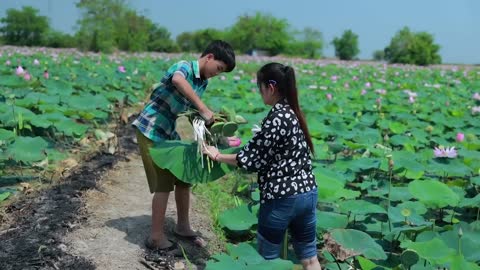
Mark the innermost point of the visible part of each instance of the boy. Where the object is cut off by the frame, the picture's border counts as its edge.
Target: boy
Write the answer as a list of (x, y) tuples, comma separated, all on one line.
[(180, 89)]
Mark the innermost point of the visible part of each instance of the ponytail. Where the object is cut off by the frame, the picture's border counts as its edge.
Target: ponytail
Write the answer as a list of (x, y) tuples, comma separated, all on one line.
[(291, 94), (287, 86)]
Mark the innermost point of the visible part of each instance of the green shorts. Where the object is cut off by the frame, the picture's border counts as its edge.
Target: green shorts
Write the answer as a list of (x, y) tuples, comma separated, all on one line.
[(159, 180)]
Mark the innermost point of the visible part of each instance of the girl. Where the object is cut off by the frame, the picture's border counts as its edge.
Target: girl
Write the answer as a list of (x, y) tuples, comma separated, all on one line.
[(280, 154)]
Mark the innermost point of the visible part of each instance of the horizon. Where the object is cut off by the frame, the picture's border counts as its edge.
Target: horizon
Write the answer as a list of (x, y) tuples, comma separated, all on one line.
[(451, 24)]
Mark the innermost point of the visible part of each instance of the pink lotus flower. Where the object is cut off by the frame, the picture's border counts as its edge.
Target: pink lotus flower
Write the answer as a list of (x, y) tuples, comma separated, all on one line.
[(36, 62), (27, 76), (223, 78), (364, 92), (411, 99), (8, 63), (460, 137), (122, 69), (254, 80), (368, 85), (381, 91), (346, 85), (234, 141), (329, 96), (476, 96), (334, 78), (378, 100), (441, 152), (475, 109), (46, 75), (236, 78), (19, 71)]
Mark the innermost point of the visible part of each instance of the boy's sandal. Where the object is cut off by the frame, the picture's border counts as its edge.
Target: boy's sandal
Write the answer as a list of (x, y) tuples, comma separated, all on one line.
[(171, 250), (196, 239)]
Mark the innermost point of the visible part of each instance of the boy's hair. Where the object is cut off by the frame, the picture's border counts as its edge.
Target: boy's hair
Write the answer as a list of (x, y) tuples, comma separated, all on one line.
[(222, 51)]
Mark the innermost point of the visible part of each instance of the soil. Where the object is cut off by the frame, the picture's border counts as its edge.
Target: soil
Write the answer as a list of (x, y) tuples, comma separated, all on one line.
[(97, 218)]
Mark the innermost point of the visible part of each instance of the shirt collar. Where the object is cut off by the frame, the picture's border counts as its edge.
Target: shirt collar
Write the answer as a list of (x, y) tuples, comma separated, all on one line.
[(196, 68)]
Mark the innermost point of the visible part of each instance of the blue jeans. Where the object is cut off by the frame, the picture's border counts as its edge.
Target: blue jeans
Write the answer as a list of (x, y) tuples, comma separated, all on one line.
[(298, 214)]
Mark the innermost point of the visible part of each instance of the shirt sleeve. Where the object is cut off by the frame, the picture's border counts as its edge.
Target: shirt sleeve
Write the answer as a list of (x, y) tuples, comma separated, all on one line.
[(257, 154), (183, 68)]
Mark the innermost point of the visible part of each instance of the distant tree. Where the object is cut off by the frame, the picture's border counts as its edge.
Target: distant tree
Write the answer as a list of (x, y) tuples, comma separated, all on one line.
[(202, 38), (56, 39), (407, 47), (379, 55), (346, 47), (186, 42), (160, 41), (259, 31), (97, 30), (307, 43), (24, 27)]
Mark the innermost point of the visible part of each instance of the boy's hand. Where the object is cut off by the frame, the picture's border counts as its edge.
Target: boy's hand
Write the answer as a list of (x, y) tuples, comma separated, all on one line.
[(207, 115)]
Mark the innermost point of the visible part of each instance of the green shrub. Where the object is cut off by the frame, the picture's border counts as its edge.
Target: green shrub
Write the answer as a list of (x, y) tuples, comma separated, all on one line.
[(346, 47)]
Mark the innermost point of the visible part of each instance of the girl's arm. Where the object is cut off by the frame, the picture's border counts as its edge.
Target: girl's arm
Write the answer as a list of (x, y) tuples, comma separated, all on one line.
[(227, 158)]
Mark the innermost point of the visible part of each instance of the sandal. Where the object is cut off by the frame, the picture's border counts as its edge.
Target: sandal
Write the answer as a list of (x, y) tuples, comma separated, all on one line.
[(196, 239), (171, 250)]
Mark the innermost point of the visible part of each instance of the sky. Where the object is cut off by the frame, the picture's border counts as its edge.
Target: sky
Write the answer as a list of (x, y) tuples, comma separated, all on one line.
[(455, 24)]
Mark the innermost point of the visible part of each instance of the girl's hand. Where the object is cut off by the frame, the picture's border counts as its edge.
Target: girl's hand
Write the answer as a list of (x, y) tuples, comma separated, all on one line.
[(210, 151)]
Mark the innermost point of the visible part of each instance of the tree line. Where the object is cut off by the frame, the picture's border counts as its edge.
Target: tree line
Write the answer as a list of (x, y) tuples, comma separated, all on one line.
[(109, 25)]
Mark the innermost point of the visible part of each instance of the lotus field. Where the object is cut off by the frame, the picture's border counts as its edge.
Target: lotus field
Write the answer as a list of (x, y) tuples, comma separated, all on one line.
[(398, 147)]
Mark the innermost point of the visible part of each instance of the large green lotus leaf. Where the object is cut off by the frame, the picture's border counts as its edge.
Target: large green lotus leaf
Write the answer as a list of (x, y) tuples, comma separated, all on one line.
[(360, 207), (71, 128), (237, 219), (10, 117), (331, 189), (470, 241), (400, 194), (397, 214), (183, 160), (434, 251), (4, 195), (88, 102), (358, 242), (59, 87), (367, 136), (28, 149), (6, 135), (416, 206), (470, 202), (223, 261), (276, 264), (244, 252), (433, 193), (357, 165), (458, 262), (397, 127), (322, 172), (331, 220), (450, 167), (475, 180)]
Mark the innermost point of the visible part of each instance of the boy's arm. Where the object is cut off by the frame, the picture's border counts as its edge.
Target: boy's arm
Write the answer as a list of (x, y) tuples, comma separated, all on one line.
[(186, 89)]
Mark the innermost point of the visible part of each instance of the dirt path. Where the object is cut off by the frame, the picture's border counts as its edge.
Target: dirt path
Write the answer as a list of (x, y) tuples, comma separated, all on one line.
[(97, 218), (119, 221)]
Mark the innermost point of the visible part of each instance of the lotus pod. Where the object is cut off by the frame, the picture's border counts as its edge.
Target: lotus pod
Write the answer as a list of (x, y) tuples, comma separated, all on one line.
[(229, 129), (240, 120), (217, 128), (409, 258)]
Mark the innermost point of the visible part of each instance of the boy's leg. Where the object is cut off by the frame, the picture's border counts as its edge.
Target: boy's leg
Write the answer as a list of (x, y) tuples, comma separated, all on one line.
[(159, 207), (183, 228)]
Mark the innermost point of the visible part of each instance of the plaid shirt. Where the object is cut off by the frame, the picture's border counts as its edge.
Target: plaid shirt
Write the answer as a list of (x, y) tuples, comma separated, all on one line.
[(157, 120)]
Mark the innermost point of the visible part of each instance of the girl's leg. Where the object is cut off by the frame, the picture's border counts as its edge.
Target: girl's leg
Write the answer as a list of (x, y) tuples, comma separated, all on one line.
[(273, 220), (311, 264)]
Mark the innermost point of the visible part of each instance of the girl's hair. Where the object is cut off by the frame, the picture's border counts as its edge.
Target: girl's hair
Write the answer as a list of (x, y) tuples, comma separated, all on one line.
[(284, 78)]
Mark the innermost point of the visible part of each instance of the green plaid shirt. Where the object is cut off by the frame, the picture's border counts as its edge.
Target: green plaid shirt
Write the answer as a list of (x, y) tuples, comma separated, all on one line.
[(157, 120)]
